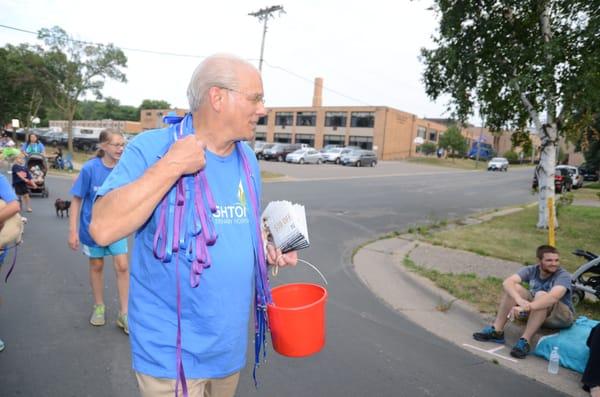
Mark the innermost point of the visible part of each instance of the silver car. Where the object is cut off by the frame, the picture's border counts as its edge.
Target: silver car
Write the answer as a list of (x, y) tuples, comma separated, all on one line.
[(575, 175), (359, 158), (498, 164), (304, 155), (334, 155)]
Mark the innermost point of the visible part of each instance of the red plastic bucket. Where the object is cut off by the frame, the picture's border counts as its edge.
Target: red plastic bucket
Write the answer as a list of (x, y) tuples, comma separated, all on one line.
[(297, 319)]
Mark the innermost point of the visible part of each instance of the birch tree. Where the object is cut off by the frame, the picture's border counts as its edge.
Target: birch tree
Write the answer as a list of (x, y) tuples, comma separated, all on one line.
[(522, 62)]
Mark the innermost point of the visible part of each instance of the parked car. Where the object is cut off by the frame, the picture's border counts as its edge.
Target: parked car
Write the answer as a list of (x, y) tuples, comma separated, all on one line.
[(260, 147), (562, 181), (280, 150), (334, 155), (305, 155), (327, 148), (575, 175), (498, 164), (359, 158), (589, 173), (55, 138)]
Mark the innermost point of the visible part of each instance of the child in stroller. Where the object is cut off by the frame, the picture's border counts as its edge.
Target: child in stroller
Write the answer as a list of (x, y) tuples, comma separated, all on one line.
[(38, 167)]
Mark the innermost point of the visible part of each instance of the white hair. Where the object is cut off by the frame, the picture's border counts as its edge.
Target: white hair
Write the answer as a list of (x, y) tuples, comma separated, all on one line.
[(218, 70)]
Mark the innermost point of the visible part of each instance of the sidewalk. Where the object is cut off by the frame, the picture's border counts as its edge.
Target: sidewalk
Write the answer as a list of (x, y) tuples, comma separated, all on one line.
[(380, 266)]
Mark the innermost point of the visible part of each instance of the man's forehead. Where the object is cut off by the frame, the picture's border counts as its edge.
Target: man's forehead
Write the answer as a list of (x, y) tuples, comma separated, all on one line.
[(550, 255)]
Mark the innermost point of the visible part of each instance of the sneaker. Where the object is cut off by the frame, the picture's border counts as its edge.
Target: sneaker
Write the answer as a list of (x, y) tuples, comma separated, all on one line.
[(489, 334), (122, 322), (2, 346), (98, 315), (520, 349)]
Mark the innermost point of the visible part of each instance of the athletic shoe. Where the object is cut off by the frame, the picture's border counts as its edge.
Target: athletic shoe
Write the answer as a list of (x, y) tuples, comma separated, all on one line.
[(520, 349), (2, 346), (489, 334), (98, 315), (122, 322)]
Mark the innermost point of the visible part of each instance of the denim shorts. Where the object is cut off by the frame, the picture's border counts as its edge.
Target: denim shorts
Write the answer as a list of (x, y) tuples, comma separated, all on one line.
[(116, 248)]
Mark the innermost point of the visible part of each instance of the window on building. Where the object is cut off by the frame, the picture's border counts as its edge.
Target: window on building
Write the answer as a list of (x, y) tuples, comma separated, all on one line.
[(260, 136), (335, 119), (433, 135), (362, 119), (284, 118), (281, 137), (263, 120), (306, 119), (338, 140), (308, 139), (148, 113), (363, 142), (422, 132), (159, 114)]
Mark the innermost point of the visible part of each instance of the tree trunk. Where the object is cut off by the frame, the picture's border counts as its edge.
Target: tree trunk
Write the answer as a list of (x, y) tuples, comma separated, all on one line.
[(545, 175)]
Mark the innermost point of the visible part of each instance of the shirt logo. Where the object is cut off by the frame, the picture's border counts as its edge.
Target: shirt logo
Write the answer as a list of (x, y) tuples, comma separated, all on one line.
[(236, 213)]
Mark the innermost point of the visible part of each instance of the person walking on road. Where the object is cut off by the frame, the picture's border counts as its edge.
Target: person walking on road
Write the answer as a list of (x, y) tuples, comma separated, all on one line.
[(22, 180), (546, 303), (189, 317), (92, 176), (7, 194)]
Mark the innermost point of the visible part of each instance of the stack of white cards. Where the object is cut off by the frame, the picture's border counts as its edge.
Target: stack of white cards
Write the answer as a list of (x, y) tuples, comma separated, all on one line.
[(286, 224)]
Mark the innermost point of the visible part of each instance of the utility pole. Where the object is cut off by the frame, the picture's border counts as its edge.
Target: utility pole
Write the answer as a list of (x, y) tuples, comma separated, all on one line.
[(263, 15)]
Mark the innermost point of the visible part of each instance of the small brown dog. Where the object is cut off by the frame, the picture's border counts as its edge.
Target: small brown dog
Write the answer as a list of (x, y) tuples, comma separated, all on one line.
[(62, 206)]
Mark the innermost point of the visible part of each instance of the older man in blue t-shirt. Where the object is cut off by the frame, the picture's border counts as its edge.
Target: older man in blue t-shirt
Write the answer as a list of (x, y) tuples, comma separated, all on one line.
[(226, 101), (546, 303)]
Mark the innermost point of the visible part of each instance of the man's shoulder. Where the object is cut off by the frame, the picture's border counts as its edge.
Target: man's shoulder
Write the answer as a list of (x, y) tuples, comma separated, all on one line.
[(151, 140), (562, 272)]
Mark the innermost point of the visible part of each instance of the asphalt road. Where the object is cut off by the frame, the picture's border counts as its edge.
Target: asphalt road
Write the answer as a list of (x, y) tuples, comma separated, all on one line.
[(371, 349)]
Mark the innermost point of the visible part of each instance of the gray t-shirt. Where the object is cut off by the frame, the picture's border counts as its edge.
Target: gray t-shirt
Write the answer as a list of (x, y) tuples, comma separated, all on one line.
[(531, 274)]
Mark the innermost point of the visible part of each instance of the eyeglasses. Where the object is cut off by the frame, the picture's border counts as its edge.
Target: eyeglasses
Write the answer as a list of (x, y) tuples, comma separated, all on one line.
[(254, 98), (117, 145)]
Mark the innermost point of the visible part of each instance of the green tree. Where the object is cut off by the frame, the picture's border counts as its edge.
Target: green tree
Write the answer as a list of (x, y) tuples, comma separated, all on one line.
[(453, 141), (24, 83), (79, 68), (154, 104), (520, 61), (520, 138)]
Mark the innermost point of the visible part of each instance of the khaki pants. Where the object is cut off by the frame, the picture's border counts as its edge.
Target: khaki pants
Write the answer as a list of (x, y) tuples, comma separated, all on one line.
[(161, 387), (559, 316)]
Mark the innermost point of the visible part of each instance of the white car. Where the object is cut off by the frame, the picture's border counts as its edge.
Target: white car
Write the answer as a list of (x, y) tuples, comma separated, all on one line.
[(334, 155), (575, 175), (305, 155), (498, 164)]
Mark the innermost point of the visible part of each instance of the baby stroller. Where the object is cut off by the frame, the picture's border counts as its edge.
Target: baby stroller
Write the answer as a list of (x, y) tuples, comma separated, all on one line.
[(38, 167), (587, 277)]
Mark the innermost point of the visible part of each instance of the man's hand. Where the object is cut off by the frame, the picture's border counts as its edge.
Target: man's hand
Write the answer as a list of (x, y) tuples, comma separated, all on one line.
[(276, 257), (187, 154)]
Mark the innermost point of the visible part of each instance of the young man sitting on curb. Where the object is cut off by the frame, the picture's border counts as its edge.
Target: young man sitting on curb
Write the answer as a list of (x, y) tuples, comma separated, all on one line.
[(547, 303)]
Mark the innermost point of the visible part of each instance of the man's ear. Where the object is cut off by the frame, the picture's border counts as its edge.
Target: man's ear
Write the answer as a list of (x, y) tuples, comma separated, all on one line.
[(215, 98)]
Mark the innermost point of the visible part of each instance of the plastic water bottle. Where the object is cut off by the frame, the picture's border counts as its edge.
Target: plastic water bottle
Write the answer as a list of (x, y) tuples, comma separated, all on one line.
[(553, 362)]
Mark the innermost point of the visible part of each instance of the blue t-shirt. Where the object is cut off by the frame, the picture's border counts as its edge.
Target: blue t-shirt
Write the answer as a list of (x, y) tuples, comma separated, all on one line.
[(37, 147), (214, 316), (531, 275), (92, 176), (6, 191), (16, 168)]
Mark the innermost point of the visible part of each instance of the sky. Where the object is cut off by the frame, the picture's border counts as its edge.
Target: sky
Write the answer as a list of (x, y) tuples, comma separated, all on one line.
[(366, 52)]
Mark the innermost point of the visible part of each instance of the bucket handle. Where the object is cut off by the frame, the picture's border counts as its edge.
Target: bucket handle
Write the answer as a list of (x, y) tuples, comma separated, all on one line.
[(275, 269)]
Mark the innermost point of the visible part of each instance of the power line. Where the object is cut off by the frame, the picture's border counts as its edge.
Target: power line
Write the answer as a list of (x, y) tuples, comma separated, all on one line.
[(306, 79)]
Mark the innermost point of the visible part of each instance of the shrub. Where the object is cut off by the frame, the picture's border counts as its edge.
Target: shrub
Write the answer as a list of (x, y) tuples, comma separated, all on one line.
[(428, 148), (512, 157)]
